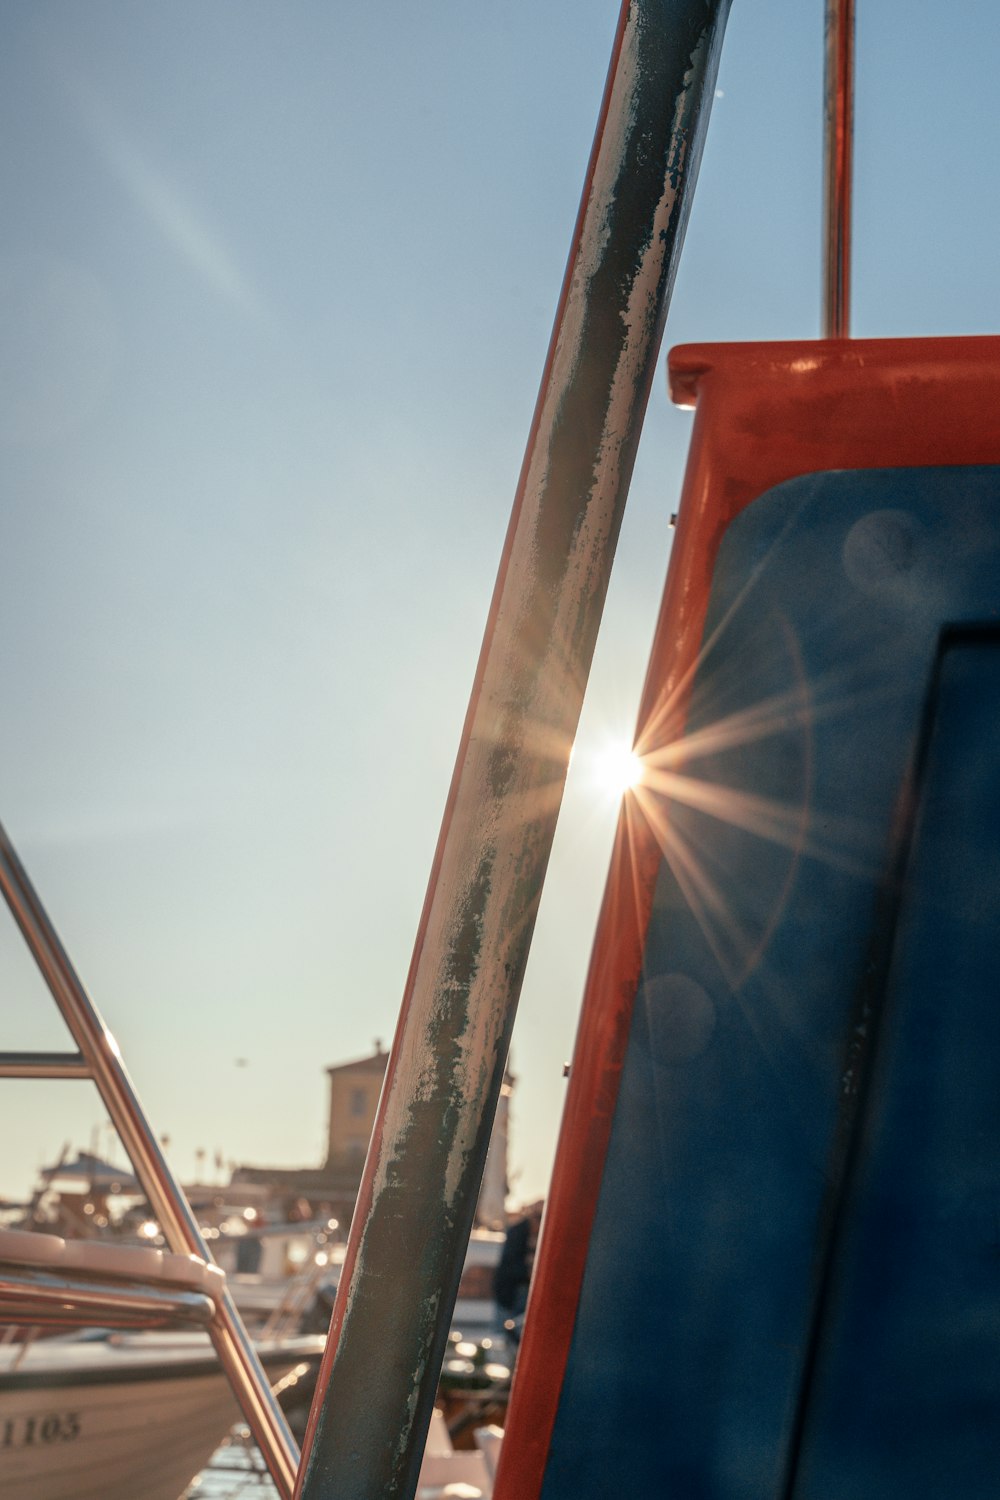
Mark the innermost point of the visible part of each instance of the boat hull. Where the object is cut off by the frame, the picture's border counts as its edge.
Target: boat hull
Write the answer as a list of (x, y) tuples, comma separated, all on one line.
[(128, 1424)]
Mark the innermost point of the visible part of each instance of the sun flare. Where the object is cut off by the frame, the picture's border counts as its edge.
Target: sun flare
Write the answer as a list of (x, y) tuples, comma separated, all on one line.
[(617, 769)]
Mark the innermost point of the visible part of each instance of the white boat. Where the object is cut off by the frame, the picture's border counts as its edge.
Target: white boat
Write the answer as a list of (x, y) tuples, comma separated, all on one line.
[(126, 1410), (135, 1414), (279, 1303), (291, 1261), (122, 1416), (475, 1308)]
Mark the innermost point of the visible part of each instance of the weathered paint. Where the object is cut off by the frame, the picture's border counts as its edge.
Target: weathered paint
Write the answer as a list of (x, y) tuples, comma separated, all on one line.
[(762, 419), (419, 1190)]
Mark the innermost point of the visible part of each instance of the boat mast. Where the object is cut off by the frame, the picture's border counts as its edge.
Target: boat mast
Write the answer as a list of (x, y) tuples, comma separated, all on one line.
[(838, 168), (418, 1193)]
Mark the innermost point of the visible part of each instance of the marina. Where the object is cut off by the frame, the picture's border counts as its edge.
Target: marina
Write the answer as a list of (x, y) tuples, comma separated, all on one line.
[(235, 1473), (765, 1259)]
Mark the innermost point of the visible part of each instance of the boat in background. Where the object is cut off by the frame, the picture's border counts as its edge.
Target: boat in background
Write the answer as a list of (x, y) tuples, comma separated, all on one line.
[(134, 1410), (768, 1259), (275, 1270), (302, 1300), (125, 1415), (297, 1268)]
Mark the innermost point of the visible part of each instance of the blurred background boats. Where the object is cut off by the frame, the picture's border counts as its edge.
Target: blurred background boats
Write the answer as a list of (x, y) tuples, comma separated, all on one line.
[(122, 1413), (125, 1415), (132, 1414)]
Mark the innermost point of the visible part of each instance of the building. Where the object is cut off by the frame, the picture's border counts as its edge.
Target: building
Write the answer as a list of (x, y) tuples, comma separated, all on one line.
[(354, 1094), (354, 1089), (491, 1212)]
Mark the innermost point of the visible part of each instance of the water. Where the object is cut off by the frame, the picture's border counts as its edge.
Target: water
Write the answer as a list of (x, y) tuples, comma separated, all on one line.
[(236, 1472)]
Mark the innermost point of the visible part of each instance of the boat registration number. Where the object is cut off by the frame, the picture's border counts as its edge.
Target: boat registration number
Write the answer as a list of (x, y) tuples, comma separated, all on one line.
[(26, 1432)]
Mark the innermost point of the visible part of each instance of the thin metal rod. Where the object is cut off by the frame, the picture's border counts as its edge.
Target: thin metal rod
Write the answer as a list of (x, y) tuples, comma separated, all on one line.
[(30, 1297), (43, 1065), (166, 1197), (411, 1226), (838, 168)]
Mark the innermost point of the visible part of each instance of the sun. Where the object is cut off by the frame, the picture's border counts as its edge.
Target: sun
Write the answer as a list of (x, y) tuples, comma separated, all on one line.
[(617, 769)]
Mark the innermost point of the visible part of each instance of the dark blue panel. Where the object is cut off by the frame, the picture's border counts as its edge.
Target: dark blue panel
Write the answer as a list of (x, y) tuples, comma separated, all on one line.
[(730, 1138), (906, 1399)]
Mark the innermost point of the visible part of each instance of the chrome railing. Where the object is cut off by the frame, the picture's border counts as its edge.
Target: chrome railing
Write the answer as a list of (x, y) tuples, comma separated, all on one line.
[(99, 1059)]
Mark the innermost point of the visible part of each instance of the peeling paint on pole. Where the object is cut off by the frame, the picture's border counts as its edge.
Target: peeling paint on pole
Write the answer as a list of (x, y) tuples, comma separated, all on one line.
[(425, 1163)]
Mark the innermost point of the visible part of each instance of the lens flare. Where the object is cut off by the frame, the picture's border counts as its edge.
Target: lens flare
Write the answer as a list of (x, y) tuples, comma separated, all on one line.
[(617, 769)]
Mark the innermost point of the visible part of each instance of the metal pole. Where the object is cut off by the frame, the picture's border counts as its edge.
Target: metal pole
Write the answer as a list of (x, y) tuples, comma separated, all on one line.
[(838, 168), (43, 1065), (100, 1052), (408, 1238)]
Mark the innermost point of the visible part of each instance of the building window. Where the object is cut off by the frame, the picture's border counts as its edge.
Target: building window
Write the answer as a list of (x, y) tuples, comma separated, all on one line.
[(359, 1102)]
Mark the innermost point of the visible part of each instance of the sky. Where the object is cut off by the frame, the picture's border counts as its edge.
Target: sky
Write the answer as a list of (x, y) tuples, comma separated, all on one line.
[(276, 287)]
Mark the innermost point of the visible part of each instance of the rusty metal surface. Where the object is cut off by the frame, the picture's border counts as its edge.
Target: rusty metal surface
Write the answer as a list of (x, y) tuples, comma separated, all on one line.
[(424, 1166)]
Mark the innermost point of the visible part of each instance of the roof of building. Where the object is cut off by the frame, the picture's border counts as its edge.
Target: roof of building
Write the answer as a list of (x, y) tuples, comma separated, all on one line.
[(375, 1063)]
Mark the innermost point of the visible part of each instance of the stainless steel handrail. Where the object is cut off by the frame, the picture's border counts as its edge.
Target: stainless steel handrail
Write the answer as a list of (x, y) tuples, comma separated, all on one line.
[(43, 1065), (101, 1055), (39, 1298)]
